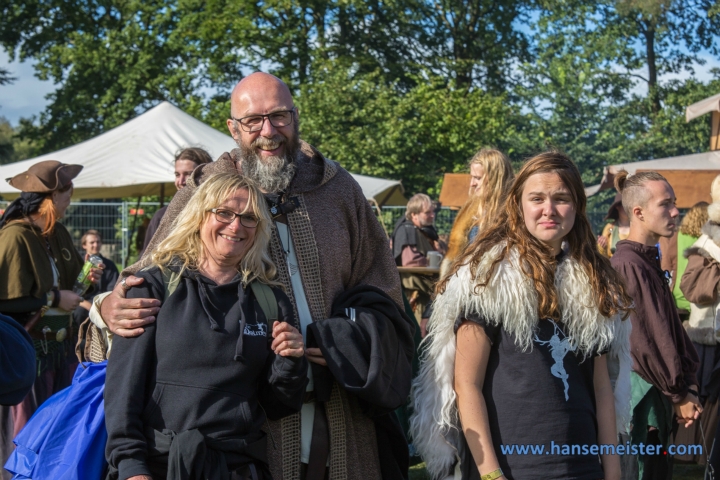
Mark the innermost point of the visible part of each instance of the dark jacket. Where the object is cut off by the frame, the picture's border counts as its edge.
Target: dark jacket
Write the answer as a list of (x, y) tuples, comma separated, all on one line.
[(662, 353), (193, 370), (368, 346), (152, 227), (406, 233)]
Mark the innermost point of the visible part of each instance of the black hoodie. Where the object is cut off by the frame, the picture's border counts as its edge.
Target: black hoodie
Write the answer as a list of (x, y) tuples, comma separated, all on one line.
[(192, 370)]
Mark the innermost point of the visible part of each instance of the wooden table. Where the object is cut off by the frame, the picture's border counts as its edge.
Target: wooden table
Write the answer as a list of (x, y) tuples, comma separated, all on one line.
[(420, 270)]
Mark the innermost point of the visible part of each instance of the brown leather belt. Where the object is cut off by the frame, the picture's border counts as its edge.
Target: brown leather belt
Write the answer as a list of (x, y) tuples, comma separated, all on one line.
[(51, 334)]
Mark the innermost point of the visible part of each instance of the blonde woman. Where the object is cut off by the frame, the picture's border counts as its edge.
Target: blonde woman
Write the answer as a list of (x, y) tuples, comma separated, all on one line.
[(196, 387), (491, 175)]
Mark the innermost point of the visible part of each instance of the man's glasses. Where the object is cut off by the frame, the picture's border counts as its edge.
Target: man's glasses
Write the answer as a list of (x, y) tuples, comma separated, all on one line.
[(226, 216), (254, 123)]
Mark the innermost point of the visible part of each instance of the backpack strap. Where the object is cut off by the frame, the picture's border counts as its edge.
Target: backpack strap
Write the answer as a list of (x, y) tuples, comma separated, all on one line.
[(170, 281), (268, 303)]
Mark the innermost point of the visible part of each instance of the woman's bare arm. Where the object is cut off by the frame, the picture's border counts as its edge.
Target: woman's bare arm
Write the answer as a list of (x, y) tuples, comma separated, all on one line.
[(471, 359), (605, 401)]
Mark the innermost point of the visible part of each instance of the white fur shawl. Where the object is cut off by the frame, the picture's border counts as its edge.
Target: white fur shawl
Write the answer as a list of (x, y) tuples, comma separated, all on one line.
[(509, 299)]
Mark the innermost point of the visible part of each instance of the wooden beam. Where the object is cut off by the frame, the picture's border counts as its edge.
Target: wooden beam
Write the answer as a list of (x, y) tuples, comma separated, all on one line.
[(715, 132), (690, 186)]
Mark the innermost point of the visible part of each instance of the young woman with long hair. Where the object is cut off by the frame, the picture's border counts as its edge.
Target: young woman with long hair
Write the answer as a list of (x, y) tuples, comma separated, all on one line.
[(491, 175), (526, 327)]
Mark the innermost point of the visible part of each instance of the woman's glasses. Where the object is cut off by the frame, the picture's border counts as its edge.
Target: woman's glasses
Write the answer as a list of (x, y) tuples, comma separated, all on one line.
[(227, 216)]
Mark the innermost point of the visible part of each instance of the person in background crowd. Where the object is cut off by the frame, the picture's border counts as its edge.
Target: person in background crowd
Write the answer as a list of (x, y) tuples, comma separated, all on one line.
[(332, 260), (617, 229), (248, 365), (186, 161), (665, 362), (39, 265), (700, 284), (414, 236), (520, 341), (91, 242), (672, 252), (491, 175)]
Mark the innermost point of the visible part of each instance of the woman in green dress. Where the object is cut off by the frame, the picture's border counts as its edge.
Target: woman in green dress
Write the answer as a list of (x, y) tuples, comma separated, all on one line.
[(38, 267)]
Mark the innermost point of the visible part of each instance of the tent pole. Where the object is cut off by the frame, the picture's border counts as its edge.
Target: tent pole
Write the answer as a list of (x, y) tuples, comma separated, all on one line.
[(162, 195)]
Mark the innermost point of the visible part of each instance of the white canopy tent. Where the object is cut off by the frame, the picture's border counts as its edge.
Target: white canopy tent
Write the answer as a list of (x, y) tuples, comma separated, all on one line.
[(135, 159), (698, 109)]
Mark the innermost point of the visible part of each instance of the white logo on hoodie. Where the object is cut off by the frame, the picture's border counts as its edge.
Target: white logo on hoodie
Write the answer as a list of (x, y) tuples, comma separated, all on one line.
[(256, 330)]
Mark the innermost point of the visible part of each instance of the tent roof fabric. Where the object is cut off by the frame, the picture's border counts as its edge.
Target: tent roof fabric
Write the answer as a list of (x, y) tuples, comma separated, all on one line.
[(699, 162), (711, 104), (136, 158)]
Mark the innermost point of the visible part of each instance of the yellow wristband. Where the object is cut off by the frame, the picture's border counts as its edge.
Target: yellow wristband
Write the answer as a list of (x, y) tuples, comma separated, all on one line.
[(492, 475)]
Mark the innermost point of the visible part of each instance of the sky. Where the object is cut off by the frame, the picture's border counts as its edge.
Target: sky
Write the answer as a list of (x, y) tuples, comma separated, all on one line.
[(25, 97)]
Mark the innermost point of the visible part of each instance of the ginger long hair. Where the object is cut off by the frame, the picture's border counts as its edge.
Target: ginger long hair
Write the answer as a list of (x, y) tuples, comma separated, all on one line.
[(537, 261)]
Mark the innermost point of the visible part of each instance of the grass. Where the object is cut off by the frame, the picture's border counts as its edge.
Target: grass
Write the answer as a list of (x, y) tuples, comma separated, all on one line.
[(680, 472), (688, 472), (418, 472)]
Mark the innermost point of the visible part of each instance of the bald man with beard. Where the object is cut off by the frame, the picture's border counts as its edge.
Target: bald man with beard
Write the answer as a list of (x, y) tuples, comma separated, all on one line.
[(333, 261)]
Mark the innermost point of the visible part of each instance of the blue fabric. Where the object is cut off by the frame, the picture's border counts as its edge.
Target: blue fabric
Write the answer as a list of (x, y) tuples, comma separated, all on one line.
[(17, 362), (65, 439), (473, 233)]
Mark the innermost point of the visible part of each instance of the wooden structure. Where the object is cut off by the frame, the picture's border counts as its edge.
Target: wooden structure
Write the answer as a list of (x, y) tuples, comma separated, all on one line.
[(455, 190), (690, 186), (689, 175)]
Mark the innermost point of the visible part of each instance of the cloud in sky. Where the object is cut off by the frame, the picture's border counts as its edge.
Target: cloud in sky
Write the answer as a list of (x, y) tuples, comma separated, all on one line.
[(26, 95)]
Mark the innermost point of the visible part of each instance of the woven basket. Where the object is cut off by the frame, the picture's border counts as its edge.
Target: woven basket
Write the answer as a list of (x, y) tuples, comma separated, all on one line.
[(91, 345)]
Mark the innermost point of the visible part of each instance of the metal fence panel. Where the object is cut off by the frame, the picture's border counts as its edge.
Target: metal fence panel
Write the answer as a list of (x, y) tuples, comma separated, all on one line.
[(113, 220), (445, 217), (120, 222)]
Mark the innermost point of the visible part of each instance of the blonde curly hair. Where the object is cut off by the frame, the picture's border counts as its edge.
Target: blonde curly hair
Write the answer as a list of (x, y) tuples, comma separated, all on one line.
[(184, 243), (694, 220)]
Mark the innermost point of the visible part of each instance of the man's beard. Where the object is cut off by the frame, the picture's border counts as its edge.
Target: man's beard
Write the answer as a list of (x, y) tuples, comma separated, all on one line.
[(272, 174)]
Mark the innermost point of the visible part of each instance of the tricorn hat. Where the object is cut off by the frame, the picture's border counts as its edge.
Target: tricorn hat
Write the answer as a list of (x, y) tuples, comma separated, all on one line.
[(45, 177)]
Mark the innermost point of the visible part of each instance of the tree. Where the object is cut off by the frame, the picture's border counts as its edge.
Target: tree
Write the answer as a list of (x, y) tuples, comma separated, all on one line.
[(110, 61), (12, 148), (656, 36), (5, 77), (289, 37), (476, 42), (371, 128)]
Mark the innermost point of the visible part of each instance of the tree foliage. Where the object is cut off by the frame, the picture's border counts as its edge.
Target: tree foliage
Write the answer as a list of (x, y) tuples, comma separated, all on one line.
[(368, 127), (404, 89)]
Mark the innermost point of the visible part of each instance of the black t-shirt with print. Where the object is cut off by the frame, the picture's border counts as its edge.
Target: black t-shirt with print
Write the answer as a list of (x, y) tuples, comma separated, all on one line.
[(537, 397)]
